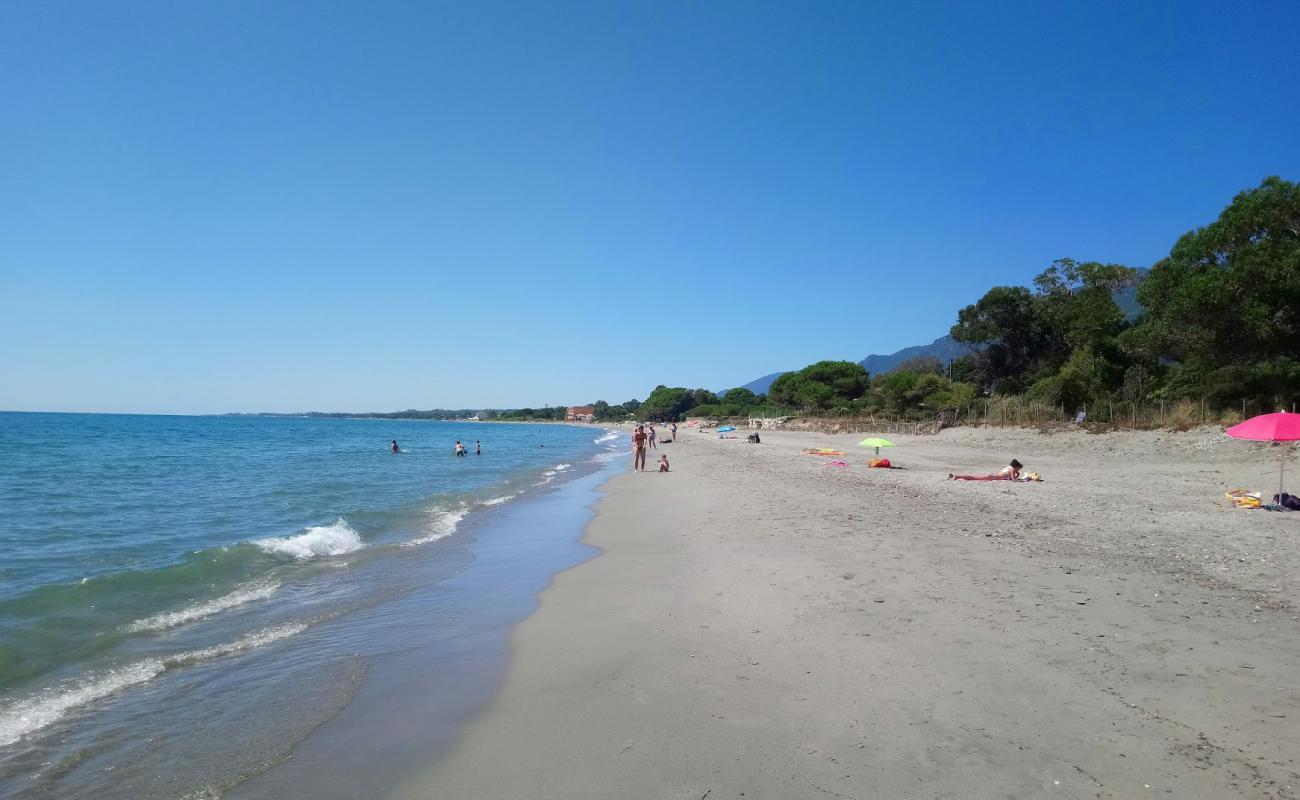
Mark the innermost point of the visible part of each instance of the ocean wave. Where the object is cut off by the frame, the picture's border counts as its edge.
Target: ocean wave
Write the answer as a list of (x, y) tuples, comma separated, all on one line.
[(36, 712), (608, 437), (33, 713), (443, 523), (322, 540), (246, 642), (496, 501), (172, 619)]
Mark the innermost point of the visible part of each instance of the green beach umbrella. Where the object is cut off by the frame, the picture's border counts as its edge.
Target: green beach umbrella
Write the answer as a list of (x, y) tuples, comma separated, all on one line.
[(876, 442)]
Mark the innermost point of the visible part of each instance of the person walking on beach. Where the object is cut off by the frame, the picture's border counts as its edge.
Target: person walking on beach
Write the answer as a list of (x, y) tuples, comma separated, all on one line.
[(1009, 473), (638, 449), (674, 430), (478, 449), (652, 436)]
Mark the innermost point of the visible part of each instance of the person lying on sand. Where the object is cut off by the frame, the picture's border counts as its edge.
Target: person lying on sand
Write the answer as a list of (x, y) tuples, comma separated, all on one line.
[(663, 463), (1011, 473)]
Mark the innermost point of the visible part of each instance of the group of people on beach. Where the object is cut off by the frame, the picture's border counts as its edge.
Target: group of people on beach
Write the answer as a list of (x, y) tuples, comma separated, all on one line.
[(643, 438)]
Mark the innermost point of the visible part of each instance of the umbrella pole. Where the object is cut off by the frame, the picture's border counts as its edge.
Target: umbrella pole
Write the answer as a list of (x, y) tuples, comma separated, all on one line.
[(1281, 478)]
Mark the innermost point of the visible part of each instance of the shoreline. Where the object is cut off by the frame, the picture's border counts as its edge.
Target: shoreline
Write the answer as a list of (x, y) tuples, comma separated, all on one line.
[(419, 693), (759, 623)]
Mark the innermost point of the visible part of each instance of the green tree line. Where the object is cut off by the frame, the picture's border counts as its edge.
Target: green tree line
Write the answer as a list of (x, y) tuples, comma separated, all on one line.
[(1219, 322)]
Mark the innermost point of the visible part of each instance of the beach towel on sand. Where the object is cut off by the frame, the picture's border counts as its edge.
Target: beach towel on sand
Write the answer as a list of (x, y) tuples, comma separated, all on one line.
[(1244, 498), (823, 451)]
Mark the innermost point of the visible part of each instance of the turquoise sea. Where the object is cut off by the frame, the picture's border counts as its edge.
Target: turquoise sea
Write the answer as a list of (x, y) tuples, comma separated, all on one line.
[(185, 600)]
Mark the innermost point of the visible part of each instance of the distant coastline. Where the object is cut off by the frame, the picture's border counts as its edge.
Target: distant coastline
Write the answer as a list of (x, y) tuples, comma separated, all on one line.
[(436, 414)]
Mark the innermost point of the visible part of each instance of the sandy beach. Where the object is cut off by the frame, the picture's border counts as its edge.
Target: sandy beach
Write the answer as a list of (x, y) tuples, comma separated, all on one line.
[(761, 624)]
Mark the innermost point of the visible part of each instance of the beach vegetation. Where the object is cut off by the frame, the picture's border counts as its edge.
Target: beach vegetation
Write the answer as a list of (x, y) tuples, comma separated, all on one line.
[(1210, 332), (821, 386)]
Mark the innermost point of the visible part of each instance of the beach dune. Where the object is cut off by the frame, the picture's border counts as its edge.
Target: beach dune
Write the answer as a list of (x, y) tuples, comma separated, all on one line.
[(762, 624)]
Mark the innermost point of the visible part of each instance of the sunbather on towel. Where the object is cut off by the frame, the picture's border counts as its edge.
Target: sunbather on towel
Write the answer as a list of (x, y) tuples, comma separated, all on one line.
[(1010, 473)]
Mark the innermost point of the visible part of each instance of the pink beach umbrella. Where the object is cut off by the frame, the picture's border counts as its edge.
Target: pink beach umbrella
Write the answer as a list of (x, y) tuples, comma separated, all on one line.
[(1282, 426)]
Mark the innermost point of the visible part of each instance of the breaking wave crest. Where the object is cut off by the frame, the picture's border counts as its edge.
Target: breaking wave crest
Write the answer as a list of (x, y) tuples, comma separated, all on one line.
[(172, 619), (322, 540), (33, 713), (245, 642), (442, 523)]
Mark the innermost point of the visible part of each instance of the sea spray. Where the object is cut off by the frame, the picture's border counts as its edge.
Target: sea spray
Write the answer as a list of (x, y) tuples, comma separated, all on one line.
[(322, 540)]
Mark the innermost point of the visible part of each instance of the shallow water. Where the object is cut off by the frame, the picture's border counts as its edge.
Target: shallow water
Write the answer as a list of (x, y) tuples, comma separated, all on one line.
[(184, 599)]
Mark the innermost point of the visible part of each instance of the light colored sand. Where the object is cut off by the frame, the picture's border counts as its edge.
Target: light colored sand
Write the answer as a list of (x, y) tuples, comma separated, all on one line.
[(764, 626)]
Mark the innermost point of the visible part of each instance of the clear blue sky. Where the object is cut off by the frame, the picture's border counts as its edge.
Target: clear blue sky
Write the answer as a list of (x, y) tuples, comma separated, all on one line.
[(239, 206)]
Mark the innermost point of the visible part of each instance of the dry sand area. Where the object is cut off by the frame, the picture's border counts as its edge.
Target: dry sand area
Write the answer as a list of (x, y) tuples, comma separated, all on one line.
[(763, 625)]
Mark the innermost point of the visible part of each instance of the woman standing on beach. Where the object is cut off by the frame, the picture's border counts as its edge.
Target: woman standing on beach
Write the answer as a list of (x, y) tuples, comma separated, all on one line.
[(1010, 473), (638, 449)]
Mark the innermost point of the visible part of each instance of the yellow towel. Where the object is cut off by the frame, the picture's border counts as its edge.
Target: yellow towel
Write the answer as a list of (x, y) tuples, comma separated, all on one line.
[(1244, 498)]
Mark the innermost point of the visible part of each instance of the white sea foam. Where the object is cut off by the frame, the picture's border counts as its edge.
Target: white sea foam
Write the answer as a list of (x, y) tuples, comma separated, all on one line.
[(322, 540), (556, 470), (496, 501), (172, 619), (245, 642), (40, 710), (35, 712), (608, 437), (442, 523)]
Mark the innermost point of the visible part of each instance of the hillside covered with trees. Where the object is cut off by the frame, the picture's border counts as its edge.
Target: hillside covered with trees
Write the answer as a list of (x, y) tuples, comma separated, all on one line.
[(1218, 325)]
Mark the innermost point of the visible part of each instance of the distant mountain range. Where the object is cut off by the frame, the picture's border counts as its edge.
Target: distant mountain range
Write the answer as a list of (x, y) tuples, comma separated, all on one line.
[(945, 348)]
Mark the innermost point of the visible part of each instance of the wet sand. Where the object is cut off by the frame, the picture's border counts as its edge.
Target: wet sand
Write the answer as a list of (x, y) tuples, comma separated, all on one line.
[(761, 624)]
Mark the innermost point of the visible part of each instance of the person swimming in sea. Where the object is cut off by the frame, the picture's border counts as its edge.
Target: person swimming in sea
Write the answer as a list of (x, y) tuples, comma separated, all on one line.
[(478, 449), (395, 448), (459, 450)]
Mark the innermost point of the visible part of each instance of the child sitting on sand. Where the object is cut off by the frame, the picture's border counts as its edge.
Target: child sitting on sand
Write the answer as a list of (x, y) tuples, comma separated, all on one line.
[(663, 463), (1011, 473)]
